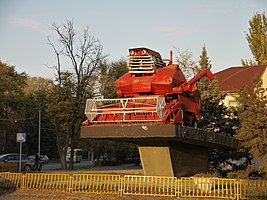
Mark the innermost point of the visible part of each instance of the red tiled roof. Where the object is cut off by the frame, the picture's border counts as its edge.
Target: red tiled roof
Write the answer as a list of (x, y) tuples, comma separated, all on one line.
[(236, 78)]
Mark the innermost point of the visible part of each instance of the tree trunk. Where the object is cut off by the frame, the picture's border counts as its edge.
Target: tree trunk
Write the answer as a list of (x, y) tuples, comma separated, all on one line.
[(71, 164), (62, 155)]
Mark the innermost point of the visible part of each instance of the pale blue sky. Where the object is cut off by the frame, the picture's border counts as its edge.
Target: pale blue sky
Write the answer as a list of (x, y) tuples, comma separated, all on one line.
[(122, 24)]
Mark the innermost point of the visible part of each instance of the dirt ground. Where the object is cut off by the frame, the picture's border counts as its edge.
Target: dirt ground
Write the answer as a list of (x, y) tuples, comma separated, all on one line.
[(30, 195), (47, 195)]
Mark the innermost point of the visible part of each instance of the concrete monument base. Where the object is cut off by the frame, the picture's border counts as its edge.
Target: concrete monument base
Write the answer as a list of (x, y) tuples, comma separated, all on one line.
[(166, 150)]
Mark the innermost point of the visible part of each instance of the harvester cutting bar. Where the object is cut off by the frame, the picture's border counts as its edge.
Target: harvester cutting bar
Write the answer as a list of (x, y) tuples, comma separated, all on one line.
[(125, 109)]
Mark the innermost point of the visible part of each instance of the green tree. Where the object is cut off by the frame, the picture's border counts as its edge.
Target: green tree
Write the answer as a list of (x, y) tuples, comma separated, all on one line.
[(110, 72), (73, 86), (215, 116), (11, 90), (11, 103), (21, 97), (59, 110), (252, 113), (257, 39), (37, 92)]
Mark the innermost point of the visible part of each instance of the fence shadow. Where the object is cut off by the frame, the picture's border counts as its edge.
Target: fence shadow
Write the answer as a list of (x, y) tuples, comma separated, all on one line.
[(6, 186), (10, 182)]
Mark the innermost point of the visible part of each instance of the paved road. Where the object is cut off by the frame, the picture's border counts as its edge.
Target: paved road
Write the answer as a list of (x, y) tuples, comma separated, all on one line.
[(84, 165), (57, 166)]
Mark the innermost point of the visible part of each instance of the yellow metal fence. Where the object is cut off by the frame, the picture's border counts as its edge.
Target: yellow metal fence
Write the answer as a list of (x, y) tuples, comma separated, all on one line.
[(149, 185), (193, 187), (95, 183), (208, 187)]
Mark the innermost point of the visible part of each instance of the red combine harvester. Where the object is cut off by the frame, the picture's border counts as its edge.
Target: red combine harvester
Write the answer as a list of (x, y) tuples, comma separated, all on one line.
[(152, 92)]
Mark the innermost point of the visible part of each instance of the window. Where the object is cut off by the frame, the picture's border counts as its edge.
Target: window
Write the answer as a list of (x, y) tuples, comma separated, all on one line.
[(17, 157), (11, 157)]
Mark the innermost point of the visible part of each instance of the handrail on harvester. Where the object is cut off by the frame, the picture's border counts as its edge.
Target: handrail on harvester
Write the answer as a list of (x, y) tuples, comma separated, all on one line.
[(124, 107)]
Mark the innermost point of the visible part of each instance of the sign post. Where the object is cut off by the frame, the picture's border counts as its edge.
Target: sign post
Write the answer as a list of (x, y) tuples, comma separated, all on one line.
[(21, 137)]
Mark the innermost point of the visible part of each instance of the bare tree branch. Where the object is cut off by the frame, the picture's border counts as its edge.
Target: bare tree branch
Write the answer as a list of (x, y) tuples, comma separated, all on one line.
[(84, 53)]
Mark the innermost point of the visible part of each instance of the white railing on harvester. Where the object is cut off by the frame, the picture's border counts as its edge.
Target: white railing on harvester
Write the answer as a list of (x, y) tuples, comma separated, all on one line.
[(125, 109)]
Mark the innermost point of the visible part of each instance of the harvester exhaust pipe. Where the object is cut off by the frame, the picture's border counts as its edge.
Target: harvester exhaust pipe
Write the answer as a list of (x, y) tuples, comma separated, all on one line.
[(170, 60)]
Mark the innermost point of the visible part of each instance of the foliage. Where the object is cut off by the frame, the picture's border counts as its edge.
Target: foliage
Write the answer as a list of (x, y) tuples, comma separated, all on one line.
[(240, 174), (257, 39), (109, 73), (11, 90), (11, 103), (37, 92), (248, 62), (21, 98), (206, 175), (252, 113), (215, 116)]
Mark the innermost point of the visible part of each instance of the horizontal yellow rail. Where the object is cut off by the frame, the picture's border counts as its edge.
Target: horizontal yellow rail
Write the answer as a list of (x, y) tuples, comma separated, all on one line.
[(193, 187)]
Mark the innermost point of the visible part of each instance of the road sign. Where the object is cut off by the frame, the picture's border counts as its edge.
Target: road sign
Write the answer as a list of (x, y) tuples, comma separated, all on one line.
[(21, 137)]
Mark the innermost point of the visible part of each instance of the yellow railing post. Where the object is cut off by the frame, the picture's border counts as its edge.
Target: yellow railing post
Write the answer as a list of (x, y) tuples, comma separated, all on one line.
[(23, 181), (121, 186), (237, 189), (70, 183), (178, 187)]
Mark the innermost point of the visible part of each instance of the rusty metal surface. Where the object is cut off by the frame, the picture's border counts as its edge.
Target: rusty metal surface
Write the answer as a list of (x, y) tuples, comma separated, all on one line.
[(153, 134)]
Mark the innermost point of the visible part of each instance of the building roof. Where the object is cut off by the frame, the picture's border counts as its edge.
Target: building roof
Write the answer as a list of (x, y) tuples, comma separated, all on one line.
[(236, 78)]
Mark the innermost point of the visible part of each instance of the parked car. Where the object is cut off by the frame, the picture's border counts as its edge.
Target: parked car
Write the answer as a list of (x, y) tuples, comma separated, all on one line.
[(43, 159), (77, 157), (10, 162)]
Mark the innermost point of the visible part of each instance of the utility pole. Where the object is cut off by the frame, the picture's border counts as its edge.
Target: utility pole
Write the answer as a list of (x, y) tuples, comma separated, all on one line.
[(39, 135)]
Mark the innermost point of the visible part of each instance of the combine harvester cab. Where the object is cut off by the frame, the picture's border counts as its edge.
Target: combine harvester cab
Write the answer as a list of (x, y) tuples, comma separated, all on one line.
[(152, 92)]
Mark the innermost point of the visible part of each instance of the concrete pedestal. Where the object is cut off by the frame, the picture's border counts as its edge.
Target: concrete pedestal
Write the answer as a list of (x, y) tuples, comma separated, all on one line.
[(156, 161), (175, 159)]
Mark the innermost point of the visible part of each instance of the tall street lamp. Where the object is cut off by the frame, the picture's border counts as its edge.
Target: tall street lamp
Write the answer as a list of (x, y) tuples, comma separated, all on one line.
[(39, 133)]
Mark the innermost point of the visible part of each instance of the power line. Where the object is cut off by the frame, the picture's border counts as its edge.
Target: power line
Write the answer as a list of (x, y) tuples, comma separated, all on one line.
[(18, 119)]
